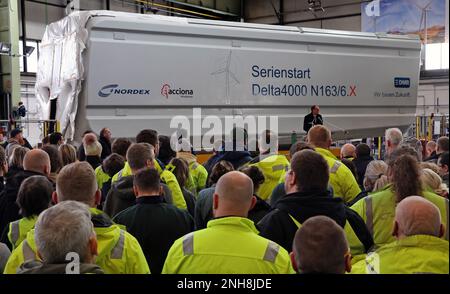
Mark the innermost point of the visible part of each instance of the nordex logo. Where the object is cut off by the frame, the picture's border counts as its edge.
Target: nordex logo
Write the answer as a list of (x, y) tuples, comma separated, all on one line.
[(107, 90), (402, 82), (166, 91)]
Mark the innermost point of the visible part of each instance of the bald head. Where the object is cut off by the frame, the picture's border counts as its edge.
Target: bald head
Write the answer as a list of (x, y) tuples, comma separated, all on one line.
[(348, 150), (416, 215), (233, 194), (320, 237), (319, 136), (38, 161)]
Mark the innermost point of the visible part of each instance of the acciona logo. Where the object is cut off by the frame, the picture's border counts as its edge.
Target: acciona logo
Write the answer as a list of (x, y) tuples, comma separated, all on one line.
[(107, 90), (167, 91)]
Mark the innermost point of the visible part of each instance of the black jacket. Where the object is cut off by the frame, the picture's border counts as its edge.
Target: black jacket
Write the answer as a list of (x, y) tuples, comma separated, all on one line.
[(27, 144), (121, 196), (259, 211), (432, 158), (190, 201), (9, 211), (311, 121), (278, 226), (361, 164), (106, 147), (236, 158), (94, 161), (80, 154), (156, 225), (277, 193), (12, 172)]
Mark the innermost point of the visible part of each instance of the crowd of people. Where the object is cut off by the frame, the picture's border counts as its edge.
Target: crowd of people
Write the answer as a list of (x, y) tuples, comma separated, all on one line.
[(122, 207)]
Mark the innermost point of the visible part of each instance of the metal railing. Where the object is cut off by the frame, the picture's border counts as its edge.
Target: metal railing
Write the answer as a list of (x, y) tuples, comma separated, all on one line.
[(430, 127), (46, 126)]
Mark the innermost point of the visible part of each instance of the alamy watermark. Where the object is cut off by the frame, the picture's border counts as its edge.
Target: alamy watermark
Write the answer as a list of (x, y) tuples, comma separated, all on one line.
[(372, 9), (73, 265), (372, 263), (223, 133)]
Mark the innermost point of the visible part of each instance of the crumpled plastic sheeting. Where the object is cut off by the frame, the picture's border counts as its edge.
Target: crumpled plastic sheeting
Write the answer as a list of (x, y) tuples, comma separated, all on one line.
[(60, 66), (60, 69)]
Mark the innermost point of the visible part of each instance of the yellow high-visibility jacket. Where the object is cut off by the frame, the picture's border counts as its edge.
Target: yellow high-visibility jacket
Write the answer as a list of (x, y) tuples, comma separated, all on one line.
[(274, 168), (411, 255), (229, 245), (166, 176), (118, 251), (378, 211), (18, 230), (342, 180)]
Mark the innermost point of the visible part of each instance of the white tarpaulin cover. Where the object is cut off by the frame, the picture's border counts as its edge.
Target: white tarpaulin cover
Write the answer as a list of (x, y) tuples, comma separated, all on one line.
[(60, 67)]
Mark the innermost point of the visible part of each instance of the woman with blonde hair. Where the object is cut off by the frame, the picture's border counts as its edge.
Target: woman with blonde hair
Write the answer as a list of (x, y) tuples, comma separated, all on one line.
[(15, 162), (430, 165), (375, 177), (68, 154), (433, 181)]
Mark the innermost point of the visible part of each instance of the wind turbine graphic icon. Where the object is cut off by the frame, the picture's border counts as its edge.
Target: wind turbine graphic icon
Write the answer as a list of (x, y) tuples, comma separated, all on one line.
[(229, 75)]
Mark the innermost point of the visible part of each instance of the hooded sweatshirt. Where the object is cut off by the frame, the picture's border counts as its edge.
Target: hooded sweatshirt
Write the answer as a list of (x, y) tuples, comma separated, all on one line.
[(279, 226), (37, 267), (236, 158)]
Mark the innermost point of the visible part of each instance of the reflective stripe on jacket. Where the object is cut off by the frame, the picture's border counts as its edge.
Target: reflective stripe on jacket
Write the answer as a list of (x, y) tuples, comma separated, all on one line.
[(18, 230), (118, 251), (274, 168), (342, 180), (229, 245), (417, 254), (378, 211)]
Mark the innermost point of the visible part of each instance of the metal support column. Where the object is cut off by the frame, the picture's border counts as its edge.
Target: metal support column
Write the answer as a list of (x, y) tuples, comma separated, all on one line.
[(281, 12), (24, 34), (9, 33)]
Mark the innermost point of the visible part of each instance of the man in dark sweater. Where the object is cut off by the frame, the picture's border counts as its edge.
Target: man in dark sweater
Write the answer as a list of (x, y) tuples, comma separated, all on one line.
[(306, 186), (312, 119), (154, 223)]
